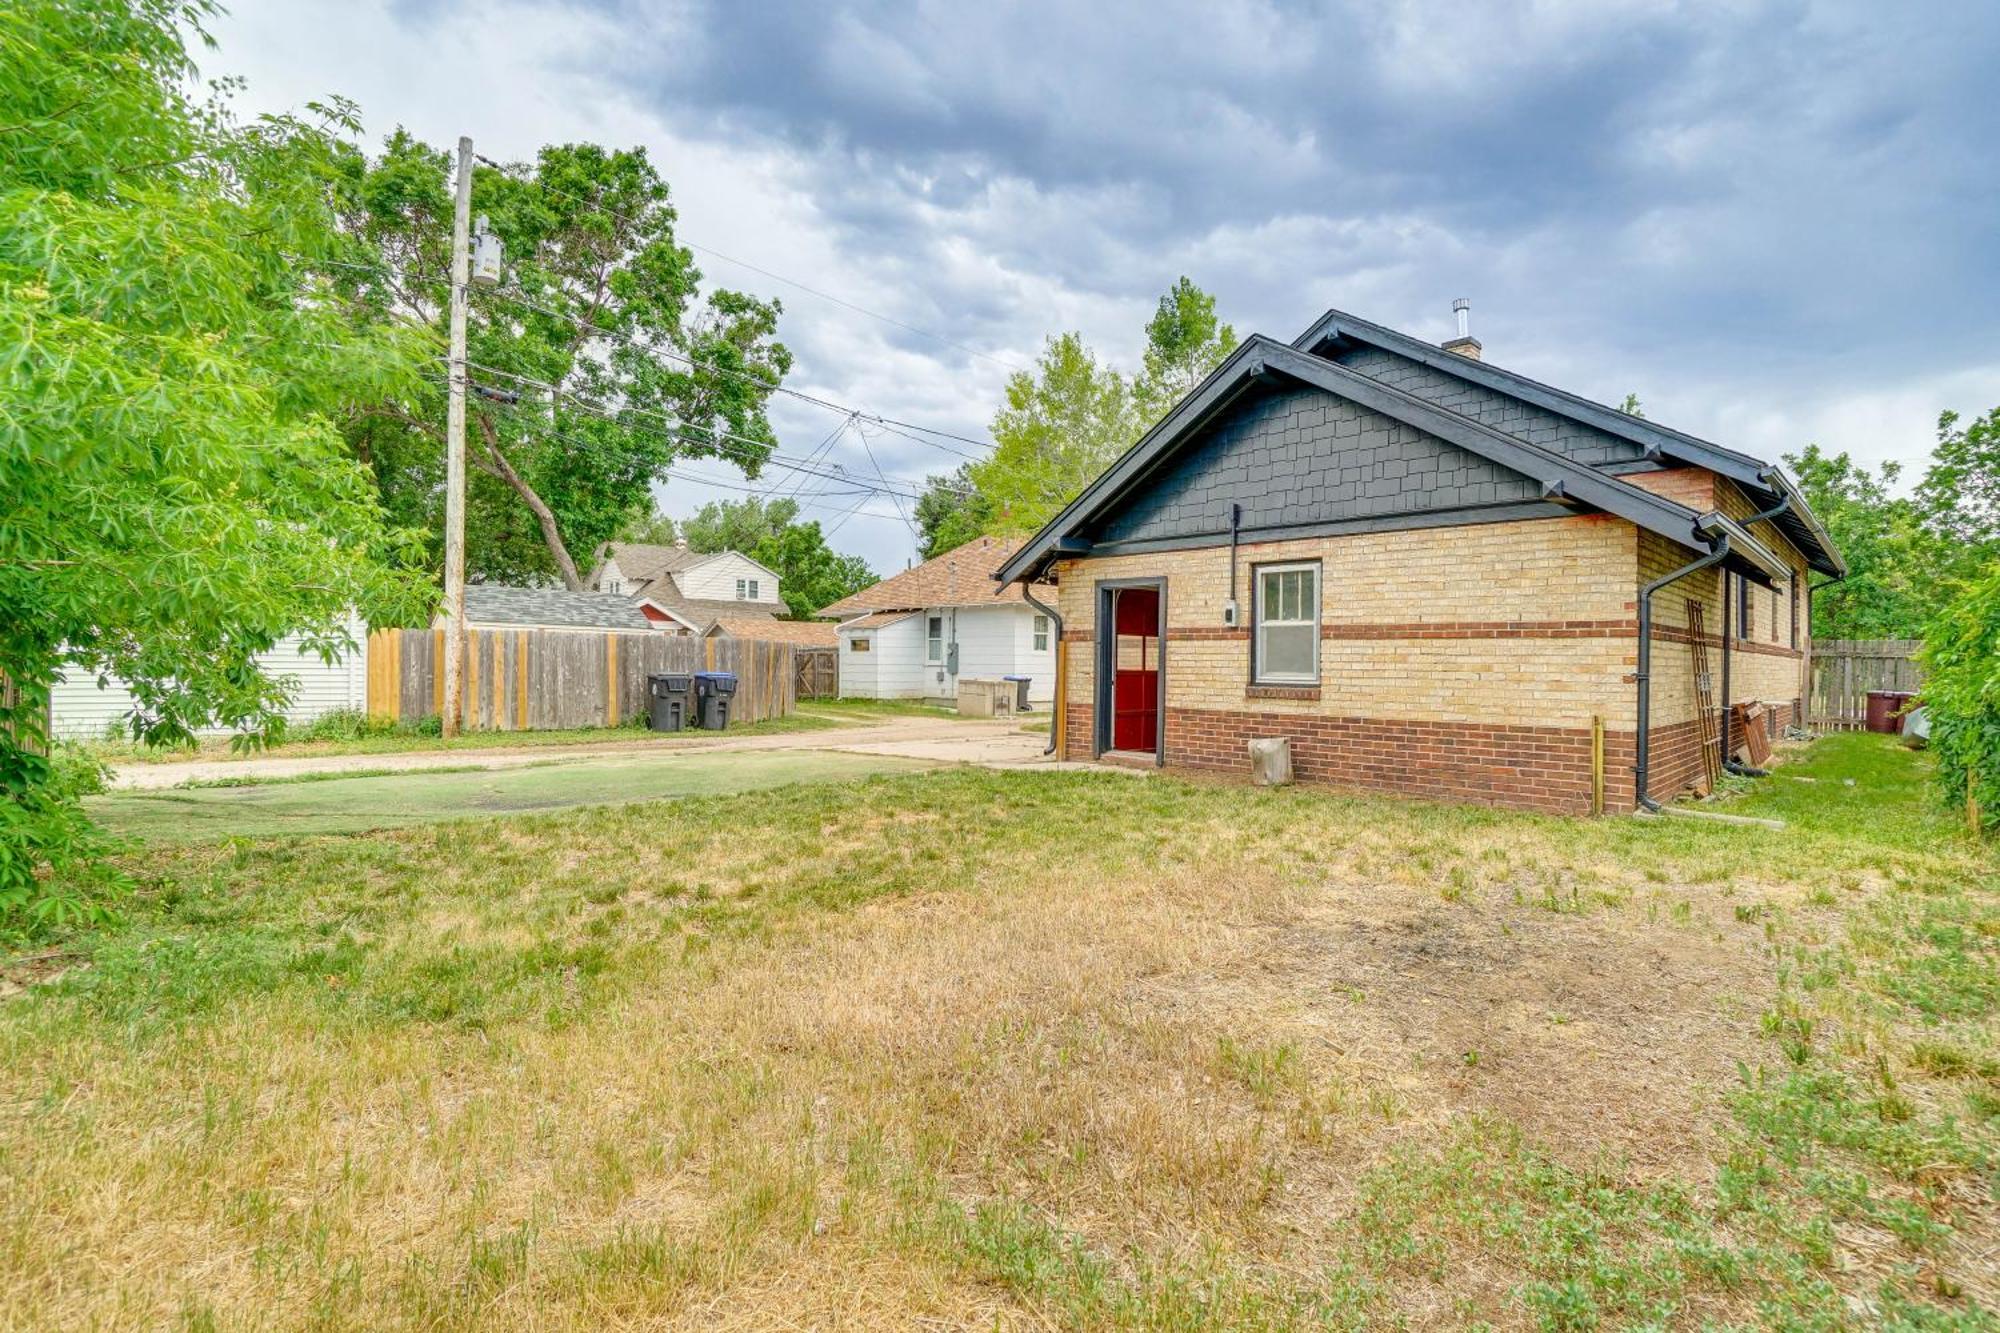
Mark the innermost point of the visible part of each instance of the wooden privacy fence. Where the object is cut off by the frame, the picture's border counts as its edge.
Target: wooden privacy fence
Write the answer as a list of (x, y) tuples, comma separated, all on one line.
[(818, 673), (533, 680), (1845, 670)]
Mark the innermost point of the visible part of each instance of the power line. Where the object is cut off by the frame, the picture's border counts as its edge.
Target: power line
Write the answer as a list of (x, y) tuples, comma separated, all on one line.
[(717, 436), (773, 458), (771, 385)]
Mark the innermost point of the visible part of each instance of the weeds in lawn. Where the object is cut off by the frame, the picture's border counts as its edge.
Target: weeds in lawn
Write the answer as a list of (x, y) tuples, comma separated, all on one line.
[(956, 1048)]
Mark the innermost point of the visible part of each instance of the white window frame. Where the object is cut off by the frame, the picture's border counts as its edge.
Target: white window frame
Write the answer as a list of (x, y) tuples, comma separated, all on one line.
[(934, 642), (614, 585), (857, 644), (1258, 623), (753, 590), (740, 585), (1041, 633)]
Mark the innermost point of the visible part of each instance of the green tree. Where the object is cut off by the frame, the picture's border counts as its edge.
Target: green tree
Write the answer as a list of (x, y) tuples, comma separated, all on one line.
[(1060, 428), (950, 512), (1184, 342), (178, 496), (811, 574), (600, 302), (1890, 589), (1632, 407), (1961, 657), (655, 529), (1065, 422), (1959, 496)]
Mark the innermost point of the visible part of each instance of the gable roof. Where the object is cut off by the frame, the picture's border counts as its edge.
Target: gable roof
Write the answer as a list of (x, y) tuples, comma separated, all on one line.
[(1260, 359), (961, 576), (552, 608), (1765, 481), (875, 620), (646, 562)]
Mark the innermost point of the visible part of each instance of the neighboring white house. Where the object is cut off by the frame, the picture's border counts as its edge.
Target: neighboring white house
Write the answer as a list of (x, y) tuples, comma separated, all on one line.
[(79, 709), (915, 635), (686, 592)]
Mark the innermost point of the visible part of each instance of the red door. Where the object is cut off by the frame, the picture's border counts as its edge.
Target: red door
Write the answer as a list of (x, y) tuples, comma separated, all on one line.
[(1135, 676)]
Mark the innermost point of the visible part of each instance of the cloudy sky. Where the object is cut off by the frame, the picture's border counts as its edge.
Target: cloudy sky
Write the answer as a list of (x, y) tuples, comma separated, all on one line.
[(1774, 222)]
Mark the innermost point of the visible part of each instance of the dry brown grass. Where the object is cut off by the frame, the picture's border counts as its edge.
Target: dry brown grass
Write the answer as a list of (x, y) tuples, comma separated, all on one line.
[(768, 1074)]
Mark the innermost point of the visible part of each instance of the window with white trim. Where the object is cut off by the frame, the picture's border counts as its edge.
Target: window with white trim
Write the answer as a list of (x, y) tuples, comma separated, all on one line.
[(1041, 634), (1285, 642), (753, 590), (934, 639), (857, 645), (741, 584)]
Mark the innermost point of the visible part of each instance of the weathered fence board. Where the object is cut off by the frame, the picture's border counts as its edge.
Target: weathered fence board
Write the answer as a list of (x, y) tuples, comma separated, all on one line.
[(818, 673), (539, 680), (1845, 670)]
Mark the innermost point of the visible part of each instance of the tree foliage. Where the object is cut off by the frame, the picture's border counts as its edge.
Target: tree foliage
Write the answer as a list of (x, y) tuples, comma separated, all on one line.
[(1961, 657), (1066, 421), (950, 512), (600, 302), (178, 495), (1907, 555), (811, 574)]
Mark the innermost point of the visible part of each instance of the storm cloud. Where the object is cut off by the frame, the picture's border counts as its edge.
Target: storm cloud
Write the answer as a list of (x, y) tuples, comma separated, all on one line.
[(1774, 222)]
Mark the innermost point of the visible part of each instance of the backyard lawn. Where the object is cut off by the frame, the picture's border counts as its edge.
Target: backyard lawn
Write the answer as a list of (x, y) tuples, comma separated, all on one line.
[(1027, 1049)]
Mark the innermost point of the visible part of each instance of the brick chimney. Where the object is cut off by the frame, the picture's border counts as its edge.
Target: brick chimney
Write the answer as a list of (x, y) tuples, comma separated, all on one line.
[(1464, 344)]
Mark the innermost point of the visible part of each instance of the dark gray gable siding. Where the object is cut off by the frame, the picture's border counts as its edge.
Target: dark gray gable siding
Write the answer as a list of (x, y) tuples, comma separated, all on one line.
[(1299, 457), (1524, 421)]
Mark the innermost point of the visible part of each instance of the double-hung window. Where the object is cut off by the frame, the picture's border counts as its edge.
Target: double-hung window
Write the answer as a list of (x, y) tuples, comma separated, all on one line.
[(741, 585), (1041, 634), (934, 639), (1285, 650)]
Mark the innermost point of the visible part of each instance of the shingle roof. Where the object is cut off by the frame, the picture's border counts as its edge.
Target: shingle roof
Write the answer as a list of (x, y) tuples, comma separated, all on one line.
[(642, 562), (803, 633), (876, 619), (557, 608), (960, 577)]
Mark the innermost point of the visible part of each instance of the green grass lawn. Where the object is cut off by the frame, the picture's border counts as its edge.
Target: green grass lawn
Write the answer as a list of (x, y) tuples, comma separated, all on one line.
[(1027, 1049), (351, 803), (402, 741)]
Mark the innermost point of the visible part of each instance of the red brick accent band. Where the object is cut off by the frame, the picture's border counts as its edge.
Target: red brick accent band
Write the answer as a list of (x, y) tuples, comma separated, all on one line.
[(1471, 629)]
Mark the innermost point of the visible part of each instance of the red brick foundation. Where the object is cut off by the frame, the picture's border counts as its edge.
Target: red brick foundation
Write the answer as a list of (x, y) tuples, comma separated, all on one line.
[(1525, 768), (1522, 768)]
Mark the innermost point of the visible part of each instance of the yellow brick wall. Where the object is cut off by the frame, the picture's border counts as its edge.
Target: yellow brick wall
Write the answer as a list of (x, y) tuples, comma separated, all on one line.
[(1546, 570)]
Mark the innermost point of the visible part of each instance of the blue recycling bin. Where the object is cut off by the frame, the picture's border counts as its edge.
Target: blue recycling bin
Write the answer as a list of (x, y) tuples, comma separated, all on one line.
[(714, 693)]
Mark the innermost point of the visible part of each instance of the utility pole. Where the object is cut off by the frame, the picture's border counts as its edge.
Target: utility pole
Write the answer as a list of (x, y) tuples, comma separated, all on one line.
[(454, 464)]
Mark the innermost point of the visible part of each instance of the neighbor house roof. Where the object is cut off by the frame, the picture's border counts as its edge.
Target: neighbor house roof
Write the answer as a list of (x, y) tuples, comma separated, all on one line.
[(1764, 480), (803, 633), (645, 563), (1260, 360), (876, 619), (962, 576), (550, 608)]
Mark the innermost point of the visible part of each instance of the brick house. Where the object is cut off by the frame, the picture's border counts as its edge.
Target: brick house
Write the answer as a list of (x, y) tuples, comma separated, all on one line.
[(1434, 576)]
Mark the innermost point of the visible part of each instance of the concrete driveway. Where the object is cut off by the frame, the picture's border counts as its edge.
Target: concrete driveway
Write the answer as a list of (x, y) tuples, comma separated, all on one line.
[(940, 740)]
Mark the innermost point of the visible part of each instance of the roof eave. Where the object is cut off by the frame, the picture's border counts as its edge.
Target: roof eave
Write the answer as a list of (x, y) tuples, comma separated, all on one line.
[(1655, 438)]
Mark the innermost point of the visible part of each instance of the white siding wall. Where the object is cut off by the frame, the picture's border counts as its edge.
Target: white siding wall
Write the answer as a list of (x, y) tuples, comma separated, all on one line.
[(899, 671), (716, 579), (80, 710), (856, 671), (992, 641)]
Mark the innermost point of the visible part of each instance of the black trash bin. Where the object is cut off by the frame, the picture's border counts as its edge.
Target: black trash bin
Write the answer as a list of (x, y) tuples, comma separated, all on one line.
[(713, 691), (669, 697), (1020, 684)]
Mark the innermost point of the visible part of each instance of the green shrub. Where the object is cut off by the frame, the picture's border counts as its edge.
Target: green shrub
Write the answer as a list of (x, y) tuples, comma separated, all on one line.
[(342, 724), (1961, 656)]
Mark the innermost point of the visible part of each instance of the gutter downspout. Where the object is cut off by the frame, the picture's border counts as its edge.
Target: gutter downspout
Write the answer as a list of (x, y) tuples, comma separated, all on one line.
[(1643, 676), (1729, 765), (1062, 685)]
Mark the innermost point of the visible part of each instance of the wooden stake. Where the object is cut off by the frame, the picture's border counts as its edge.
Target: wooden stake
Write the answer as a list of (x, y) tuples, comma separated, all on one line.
[(454, 456), (1596, 763)]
